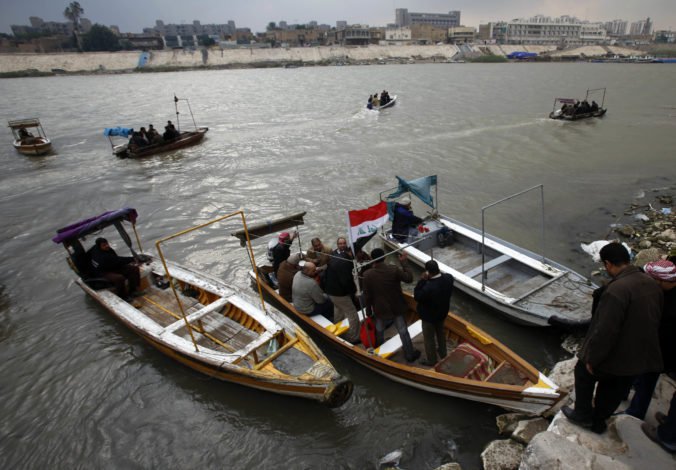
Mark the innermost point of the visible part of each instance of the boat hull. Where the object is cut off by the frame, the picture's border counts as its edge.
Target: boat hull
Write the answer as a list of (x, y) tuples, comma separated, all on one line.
[(577, 117), (506, 396), (40, 147), (332, 391), (186, 139), (391, 103), (519, 284)]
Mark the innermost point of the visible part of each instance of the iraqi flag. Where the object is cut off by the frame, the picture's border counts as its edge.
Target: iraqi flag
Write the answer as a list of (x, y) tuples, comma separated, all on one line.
[(363, 224)]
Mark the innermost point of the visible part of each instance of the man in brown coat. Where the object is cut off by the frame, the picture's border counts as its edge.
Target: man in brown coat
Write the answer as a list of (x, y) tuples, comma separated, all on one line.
[(287, 270), (383, 297), (621, 343)]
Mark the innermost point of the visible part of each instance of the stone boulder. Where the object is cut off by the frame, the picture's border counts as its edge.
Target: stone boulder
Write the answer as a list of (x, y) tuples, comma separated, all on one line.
[(554, 452), (502, 455), (527, 429), (449, 466), (562, 374), (648, 255), (506, 423)]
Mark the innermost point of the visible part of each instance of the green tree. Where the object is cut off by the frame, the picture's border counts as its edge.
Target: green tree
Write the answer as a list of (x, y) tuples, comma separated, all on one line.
[(100, 38), (206, 41), (73, 12), (272, 25)]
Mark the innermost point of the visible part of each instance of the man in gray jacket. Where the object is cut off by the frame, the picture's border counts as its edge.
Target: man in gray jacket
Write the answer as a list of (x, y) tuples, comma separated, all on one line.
[(308, 297), (621, 343)]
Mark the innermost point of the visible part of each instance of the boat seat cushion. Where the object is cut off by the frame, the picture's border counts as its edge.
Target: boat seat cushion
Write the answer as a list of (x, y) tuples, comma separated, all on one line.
[(466, 361)]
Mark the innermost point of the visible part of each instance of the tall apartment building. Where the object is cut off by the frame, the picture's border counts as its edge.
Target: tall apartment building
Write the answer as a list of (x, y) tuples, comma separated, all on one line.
[(193, 29), (441, 20), (38, 25), (641, 28), (616, 27)]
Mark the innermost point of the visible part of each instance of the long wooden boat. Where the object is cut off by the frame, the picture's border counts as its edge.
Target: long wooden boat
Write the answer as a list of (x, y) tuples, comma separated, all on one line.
[(477, 367), (30, 145), (528, 288), (185, 139), (207, 325)]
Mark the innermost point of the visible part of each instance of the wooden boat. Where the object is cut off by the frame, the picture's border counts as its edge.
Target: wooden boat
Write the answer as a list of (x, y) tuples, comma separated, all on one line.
[(478, 367), (389, 104), (205, 324), (560, 113), (29, 144), (184, 139), (528, 288)]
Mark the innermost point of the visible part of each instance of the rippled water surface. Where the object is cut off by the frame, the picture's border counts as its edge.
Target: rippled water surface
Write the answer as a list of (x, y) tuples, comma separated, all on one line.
[(80, 390)]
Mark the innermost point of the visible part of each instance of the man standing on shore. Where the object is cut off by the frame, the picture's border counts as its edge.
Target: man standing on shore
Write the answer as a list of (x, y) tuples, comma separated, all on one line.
[(621, 343)]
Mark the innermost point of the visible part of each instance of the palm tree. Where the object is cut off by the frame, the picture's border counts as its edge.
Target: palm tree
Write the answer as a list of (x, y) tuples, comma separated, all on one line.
[(73, 13)]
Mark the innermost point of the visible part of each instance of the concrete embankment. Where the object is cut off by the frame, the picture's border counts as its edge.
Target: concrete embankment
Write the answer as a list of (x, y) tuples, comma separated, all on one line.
[(90, 62)]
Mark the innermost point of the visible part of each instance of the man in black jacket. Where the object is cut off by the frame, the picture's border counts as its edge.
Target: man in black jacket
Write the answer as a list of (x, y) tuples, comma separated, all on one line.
[(433, 295), (116, 269), (622, 341), (340, 287)]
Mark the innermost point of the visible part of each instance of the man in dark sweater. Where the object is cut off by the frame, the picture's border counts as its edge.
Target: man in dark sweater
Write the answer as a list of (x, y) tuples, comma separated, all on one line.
[(433, 295), (622, 341), (116, 269)]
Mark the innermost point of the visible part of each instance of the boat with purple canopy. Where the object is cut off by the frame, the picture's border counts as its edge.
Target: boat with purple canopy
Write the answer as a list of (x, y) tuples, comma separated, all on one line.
[(203, 323)]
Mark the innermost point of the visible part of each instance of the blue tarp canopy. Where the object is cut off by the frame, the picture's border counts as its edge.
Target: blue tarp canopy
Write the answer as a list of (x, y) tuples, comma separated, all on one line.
[(117, 131), (421, 187), (521, 55)]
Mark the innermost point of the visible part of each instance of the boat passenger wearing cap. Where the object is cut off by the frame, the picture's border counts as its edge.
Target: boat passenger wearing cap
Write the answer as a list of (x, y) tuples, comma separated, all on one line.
[(282, 250), (664, 273), (308, 297), (287, 270), (404, 224), (116, 269)]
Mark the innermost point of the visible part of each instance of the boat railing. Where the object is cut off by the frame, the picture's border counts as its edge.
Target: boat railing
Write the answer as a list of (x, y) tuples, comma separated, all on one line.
[(483, 226), (158, 245)]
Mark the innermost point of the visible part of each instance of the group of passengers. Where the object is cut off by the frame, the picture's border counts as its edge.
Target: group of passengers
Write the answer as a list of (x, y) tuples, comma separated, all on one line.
[(375, 102), (579, 108), (145, 137), (26, 137)]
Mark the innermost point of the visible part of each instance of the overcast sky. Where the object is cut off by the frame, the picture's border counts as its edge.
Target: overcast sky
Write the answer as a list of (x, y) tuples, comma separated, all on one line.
[(134, 15)]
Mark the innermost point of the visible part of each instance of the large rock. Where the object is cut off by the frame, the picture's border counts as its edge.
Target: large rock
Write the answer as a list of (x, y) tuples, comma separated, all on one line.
[(507, 422), (527, 429), (648, 255), (562, 374), (502, 455), (449, 466), (669, 235), (553, 452)]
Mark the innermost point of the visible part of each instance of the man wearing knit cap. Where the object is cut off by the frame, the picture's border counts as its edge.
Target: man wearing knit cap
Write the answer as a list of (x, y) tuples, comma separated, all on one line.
[(282, 250), (621, 343), (404, 222), (664, 272)]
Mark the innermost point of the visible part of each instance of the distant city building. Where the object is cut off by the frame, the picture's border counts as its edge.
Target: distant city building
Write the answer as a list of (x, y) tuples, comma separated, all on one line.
[(341, 24), (493, 32), (564, 30), (59, 28), (194, 29), (461, 34), (616, 27), (352, 35), (665, 36), (414, 34), (641, 28), (441, 20)]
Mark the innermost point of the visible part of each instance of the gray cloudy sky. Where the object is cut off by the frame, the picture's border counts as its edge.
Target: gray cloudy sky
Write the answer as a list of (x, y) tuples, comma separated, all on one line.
[(133, 15)]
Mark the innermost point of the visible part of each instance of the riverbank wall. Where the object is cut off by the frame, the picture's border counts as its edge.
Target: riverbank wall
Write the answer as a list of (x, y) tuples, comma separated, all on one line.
[(118, 62)]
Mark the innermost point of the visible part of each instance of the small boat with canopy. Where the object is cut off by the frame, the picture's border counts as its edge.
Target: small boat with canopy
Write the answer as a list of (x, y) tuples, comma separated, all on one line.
[(25, 142), (569, 109), (477, 367), (181, 140), (203, 323), (526, 287)]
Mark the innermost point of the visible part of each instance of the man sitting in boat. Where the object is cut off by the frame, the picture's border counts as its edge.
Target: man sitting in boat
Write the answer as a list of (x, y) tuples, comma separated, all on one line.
[(25, 136), (285, 275), (404, 225), (308, 297), (116, 269), (594, 106), (170, 132), (153, 136), (375, 101), (369, 103), (282, 249), (384, 98)]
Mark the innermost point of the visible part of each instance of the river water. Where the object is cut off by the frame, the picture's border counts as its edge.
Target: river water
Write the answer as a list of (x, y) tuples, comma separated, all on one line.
[(79, 390)]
